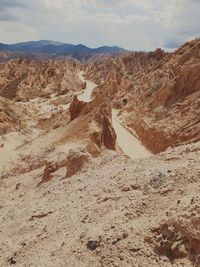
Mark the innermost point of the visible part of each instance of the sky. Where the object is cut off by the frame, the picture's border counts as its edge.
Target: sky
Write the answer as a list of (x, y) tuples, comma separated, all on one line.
[(132, 24)]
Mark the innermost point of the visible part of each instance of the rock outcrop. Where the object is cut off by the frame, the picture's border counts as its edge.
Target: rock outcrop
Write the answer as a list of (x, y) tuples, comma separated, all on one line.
[(23, 79), (76, 160), (158, 93), (73, 162), (111, 212), (95, 120), (11, 116), (81, 203)]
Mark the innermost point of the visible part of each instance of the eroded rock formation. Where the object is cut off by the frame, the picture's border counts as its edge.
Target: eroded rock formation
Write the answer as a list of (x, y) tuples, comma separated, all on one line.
[(11, 116), (161, 92), (23, 79), (95, 119), (68, 198)]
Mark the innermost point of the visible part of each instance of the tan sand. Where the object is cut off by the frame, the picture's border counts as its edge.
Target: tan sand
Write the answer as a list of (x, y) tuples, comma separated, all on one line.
[(130, 145), (86, 96)]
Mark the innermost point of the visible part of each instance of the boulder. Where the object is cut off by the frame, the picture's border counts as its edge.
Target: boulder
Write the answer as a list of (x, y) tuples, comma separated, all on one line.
[(76, 159)]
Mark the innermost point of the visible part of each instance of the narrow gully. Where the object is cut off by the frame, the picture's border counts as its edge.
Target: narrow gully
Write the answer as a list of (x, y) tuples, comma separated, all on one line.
[(128, 143)]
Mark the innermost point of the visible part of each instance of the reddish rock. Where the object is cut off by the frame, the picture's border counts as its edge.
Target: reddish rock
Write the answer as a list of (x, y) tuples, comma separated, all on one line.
[(76, 160), (23, 79), (96, 117), (162, 92), (75, 107)]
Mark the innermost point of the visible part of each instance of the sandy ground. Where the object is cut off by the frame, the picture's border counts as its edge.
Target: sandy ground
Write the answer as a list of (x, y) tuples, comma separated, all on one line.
[(128, 143), (104, 216), (8, 151), (86, 96), (107, 214), (33, 141)]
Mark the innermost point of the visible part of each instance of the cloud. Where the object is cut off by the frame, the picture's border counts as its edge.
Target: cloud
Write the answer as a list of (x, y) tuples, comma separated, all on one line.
[(4, 4), (102, 3), (21, 32), (133, 24), (8, 9), (184, 24)]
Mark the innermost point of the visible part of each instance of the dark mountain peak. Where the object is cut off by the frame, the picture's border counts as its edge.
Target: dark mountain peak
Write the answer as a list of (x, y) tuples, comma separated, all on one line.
[(52, 48), (109, 49), (38, 43)]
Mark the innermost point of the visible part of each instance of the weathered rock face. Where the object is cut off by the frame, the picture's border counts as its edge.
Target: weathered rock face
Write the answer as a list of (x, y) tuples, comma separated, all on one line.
[(79, 210), (73, 162), (124, 212), (76, 159), (1, 142), (54, 120), (122, 66), (158, 93), (26, 79), (50, 168), (76, 107), (177, 239), (11, 116), (8, 55), (96, 117)]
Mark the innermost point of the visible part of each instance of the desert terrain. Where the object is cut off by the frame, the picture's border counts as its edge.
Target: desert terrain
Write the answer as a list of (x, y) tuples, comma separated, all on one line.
[(99, 160)]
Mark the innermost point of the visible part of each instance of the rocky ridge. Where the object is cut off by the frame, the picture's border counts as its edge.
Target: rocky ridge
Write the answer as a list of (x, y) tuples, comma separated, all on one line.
[(114, 212), (11, 116), (23, 79), (67, 198), (157, 93)]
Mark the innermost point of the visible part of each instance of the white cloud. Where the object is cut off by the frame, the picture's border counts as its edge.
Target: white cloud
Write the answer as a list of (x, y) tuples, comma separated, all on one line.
[(20, 34), (134, 24)]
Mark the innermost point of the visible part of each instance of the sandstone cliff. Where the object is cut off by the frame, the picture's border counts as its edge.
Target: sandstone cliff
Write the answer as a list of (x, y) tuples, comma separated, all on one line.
[(158, 93), (112, 212), (23, 79), (93, 121), (11, 116), (67, 198)]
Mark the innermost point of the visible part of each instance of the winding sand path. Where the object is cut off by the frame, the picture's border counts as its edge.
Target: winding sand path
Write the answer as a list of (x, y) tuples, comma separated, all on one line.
[(129, 144), (86, 96)]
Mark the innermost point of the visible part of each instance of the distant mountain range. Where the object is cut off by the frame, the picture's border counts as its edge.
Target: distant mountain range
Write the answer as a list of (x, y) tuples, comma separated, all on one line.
[(59, 49)]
